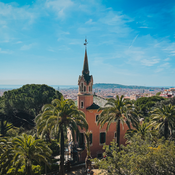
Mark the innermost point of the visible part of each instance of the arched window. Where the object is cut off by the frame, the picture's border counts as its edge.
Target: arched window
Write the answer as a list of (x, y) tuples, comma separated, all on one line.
[(84, 88), (89, 89), (81, 89)]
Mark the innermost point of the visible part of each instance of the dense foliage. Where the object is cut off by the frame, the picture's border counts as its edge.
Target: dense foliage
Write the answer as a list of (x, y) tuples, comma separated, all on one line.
[(145, 153), (150, 145), (22, 154), (149, 156), (20, 106), (146, 103), (165, 102)]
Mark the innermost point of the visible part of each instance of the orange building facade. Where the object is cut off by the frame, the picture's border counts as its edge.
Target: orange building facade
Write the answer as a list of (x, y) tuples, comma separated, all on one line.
[(89, 104)]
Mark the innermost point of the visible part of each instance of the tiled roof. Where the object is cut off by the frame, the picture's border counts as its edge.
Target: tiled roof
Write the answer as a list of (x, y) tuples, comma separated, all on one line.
[(99, 101)]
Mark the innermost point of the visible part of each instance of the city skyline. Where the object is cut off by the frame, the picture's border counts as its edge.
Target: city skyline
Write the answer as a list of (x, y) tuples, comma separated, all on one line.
[(129, 43)]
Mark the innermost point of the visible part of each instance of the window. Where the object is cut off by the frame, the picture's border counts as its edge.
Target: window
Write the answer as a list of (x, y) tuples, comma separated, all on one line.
[(81, 141), (90, 138), (84, 88), (115, 134), (102, 137), (82, 104), (81, 87), (99, 156), (89, 88), (96, 118)]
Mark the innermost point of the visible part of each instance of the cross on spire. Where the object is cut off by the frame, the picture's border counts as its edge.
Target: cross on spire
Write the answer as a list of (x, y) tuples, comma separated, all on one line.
[(85, 42)]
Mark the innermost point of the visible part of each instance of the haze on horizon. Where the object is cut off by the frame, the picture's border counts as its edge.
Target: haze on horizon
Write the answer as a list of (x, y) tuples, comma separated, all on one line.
[(129, 42)]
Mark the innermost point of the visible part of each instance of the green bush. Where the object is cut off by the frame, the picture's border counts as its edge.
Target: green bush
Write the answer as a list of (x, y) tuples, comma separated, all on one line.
[(54, 146), (139, 157)]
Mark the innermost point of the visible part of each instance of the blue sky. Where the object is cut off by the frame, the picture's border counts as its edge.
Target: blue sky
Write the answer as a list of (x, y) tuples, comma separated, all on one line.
[(130, 42)]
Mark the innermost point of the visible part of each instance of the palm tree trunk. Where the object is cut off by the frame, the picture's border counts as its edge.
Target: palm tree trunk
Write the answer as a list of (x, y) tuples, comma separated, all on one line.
[(166, 129), (87, 161), (48, 136), (118, 133), (29, 168), (62, 154)]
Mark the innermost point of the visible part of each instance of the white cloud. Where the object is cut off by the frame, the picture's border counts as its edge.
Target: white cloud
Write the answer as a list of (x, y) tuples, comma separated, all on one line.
[(50, 49), (144, 27), (170, 48), (60, 7), (18, 42), (90, 22), (162, 67), (8, 11), (113, 18), (116, 22), (5, 51), (167, 59), (150, 52), (26, 47), (149, 62)]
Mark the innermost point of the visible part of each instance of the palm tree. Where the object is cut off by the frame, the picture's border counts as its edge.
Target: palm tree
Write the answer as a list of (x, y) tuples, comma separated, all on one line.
[(164, 119), (59, 116), (43, 129), (133, 114), (24, 150), (140, 128), (6, 155), (113, 112)]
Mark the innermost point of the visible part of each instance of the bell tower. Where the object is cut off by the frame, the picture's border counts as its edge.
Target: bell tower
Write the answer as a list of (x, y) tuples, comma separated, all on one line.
[(85, 83)]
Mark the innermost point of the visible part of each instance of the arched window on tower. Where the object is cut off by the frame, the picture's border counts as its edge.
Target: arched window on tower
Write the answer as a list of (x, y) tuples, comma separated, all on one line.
[(84, 88), (81, 88), (89, 88)]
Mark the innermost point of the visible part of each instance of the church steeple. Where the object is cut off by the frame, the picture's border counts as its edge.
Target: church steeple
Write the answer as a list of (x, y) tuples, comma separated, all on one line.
[(85, 72), (85, 83), (85, 65)]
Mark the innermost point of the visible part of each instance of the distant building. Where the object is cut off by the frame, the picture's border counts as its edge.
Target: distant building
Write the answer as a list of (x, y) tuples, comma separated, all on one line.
[(168, 93), (96, 90), (134, 97), (142, 91)]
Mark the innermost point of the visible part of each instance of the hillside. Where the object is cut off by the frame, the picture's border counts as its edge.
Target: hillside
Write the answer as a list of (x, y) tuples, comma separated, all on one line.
[(111, 86)]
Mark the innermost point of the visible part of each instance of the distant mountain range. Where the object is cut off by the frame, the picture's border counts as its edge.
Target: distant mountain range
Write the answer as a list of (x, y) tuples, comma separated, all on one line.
[(111, 86), (97, 85)]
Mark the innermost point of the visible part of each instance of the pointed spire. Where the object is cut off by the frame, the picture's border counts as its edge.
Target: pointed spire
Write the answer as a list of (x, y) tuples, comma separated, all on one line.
[(85, 66)]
